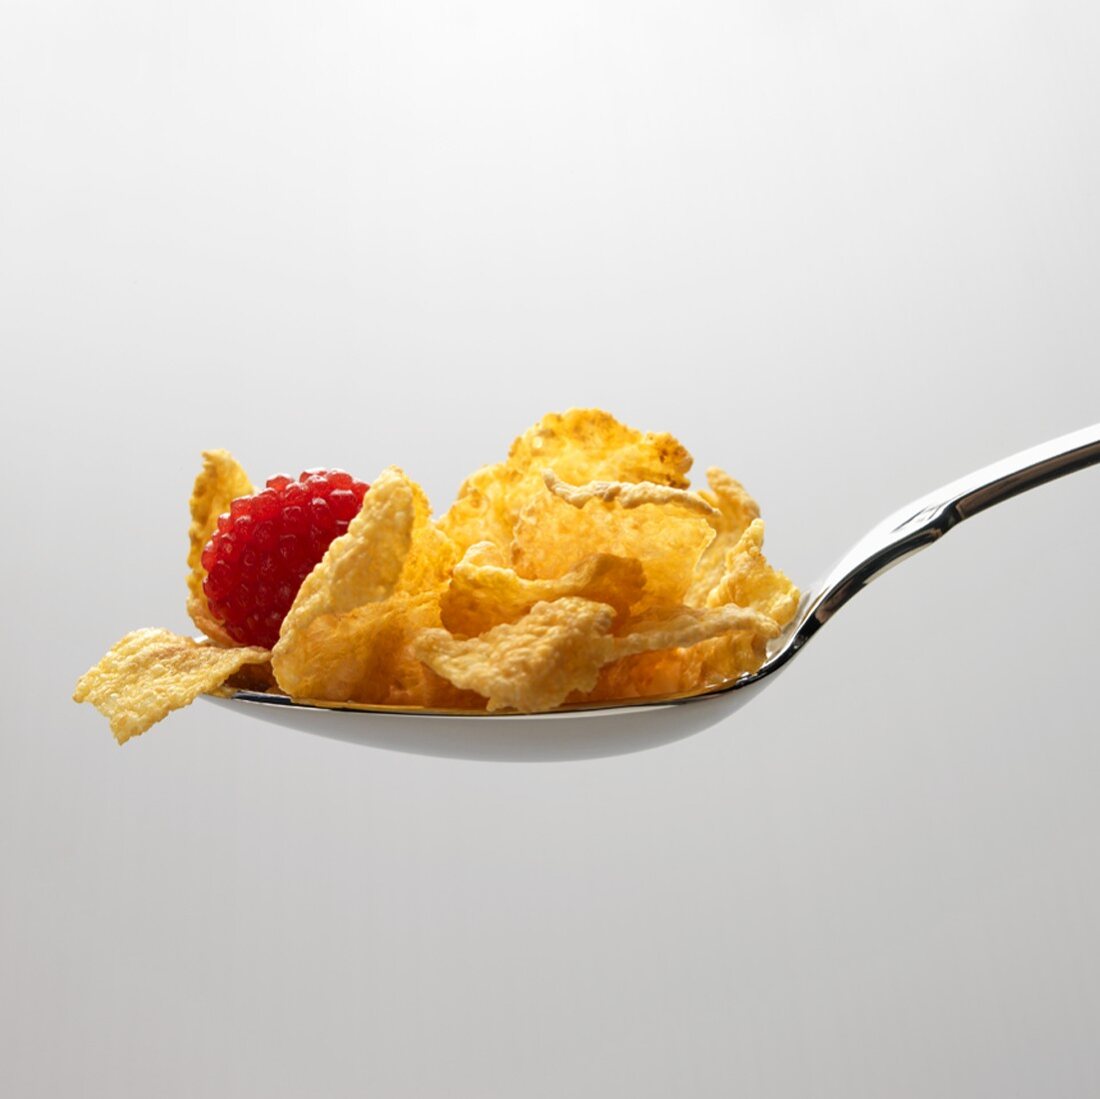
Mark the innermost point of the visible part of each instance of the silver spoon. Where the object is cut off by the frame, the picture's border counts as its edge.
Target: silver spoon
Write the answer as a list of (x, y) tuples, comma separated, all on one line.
[(608, 730)]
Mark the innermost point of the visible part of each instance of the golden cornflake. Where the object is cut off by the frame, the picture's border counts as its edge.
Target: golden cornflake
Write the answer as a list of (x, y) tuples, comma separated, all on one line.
[(551, 536), (364, 564), (583, 444), (361, 655), (220, 481), (529, 665), (484, 592), (685, 626), (627, 495), (666, 653), (151, 672), (749, 581), (734, 510), (346, 635)]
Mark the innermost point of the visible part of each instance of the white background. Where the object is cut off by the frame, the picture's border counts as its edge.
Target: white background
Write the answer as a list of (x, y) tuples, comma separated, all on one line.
[(847, 250)]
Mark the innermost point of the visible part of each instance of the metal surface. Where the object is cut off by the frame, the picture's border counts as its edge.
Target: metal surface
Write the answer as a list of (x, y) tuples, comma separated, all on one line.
[(590, 732)]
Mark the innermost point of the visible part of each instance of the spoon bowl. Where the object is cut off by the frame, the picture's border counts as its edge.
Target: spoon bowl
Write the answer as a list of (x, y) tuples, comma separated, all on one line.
[(510, 738), (594, 731)]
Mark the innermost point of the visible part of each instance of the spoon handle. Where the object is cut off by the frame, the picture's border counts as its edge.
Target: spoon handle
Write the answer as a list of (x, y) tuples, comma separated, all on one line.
[(929, 518)]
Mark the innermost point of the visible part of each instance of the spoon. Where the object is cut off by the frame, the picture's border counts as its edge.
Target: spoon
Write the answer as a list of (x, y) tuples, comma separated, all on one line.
[(588, 732)]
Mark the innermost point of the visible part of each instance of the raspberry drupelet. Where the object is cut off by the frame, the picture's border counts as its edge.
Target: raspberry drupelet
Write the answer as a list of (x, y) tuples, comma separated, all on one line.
[(268, 543)]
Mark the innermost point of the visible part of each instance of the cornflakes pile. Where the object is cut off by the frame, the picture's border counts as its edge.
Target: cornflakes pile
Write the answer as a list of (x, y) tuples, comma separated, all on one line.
[(581, 569)]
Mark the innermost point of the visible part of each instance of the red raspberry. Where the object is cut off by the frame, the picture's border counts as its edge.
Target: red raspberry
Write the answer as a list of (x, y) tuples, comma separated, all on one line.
[(267, 544)]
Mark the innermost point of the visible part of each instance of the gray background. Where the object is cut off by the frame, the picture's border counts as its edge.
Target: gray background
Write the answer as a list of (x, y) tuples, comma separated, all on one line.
[(847, 250)]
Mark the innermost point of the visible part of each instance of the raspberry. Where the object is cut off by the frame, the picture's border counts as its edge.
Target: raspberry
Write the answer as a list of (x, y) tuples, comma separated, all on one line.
[(268, 543)]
